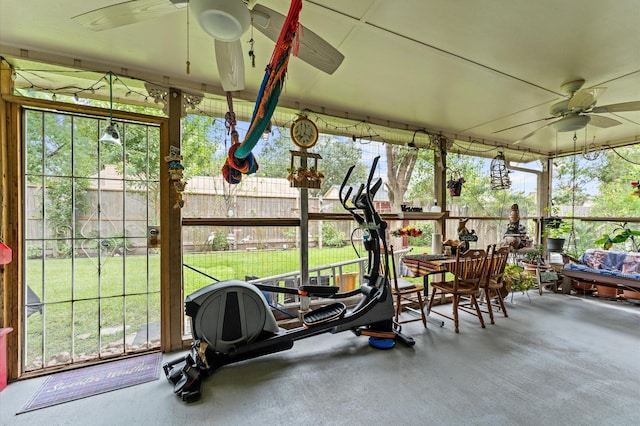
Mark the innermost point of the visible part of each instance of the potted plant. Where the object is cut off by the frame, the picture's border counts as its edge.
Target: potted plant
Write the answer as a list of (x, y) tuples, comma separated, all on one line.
[(455, 186), (515, 278), (555, 230), (621, 234)]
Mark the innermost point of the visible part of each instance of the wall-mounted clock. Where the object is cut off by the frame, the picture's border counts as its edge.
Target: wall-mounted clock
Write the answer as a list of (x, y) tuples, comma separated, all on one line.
[(304, 132)]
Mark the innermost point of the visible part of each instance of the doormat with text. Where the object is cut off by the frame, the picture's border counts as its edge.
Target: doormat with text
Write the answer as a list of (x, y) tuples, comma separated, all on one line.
[(88, 381)]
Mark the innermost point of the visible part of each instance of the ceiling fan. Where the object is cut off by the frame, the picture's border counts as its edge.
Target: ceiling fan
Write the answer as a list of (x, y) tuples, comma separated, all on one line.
[(579, 110), (226, 21)]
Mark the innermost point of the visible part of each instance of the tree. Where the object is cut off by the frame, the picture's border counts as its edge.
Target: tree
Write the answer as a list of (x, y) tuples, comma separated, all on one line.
[(338, 154), (400, 164)]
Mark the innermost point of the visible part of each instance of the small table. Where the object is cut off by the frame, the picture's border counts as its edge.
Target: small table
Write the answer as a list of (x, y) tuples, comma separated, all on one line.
[(425, 265)]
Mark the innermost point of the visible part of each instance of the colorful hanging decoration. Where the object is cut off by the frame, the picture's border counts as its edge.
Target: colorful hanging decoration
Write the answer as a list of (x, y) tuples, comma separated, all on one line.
[(175, 173), (6, 254), (240, 160)]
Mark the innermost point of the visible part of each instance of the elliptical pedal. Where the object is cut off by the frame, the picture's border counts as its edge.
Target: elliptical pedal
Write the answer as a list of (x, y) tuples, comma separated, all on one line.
[(324, 314)]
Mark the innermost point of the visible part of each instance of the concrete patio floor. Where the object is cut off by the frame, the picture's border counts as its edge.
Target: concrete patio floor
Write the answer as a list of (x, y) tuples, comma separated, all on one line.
[(557, 360)]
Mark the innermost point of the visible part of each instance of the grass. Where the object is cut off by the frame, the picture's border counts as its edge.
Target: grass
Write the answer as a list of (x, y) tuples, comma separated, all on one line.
[(79, 302)]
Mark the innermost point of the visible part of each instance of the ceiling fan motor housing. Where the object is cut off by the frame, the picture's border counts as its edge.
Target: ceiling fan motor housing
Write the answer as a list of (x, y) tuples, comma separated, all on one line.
[(224, 20)]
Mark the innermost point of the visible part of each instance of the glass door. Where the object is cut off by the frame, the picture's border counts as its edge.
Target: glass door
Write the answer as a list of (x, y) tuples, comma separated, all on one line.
[(91, 281)]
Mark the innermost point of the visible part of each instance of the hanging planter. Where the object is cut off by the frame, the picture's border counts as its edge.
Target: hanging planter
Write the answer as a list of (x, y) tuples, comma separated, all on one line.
[(455, 186)]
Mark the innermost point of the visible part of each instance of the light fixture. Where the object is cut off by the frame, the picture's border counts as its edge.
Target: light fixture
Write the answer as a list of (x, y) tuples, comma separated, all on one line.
[(224, 20), (111, 133), (571, 122), (267, 132), (499, 173)]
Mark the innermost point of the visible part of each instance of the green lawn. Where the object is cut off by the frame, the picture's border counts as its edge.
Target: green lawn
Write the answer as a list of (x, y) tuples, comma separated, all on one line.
[(79, 301)]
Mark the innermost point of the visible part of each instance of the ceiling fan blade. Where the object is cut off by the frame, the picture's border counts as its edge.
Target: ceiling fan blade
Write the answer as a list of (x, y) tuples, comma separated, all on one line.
[(527, 136), (621, 107), (126, 13), (522, 124), (314, 50), (230, 64), (601, 121), (585, 98)]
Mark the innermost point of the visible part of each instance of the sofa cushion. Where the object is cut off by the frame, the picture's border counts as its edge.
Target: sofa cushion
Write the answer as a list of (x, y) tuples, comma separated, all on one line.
[(606, 262)]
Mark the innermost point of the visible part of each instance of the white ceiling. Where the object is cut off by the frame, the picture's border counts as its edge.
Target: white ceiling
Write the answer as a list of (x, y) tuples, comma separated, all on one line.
[(465, 68)]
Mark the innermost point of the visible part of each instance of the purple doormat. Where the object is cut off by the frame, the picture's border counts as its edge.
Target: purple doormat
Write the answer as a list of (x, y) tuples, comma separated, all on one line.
[(88, 381)]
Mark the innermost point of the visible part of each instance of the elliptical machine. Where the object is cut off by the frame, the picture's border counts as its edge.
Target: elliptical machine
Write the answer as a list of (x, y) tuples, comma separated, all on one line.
[(231, 320)]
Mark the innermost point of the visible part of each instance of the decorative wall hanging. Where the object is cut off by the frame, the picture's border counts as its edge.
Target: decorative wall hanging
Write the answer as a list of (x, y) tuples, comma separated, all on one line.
[(176, 173), (240, 159), (301, 175)]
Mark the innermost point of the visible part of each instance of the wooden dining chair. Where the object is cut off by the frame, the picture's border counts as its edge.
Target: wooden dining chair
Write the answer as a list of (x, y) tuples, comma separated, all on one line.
[(406, 294), (468, 271), (492, 283)]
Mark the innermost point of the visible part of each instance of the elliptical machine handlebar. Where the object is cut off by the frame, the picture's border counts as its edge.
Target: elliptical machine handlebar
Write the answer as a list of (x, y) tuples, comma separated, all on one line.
[(372, 224)]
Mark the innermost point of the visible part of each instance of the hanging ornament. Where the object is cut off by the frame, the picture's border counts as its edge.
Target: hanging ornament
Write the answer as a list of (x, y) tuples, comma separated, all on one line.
[(499, 173)]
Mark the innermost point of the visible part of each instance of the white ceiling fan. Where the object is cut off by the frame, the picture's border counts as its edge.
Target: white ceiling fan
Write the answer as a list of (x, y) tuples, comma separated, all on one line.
[(226, 21), (579, 109)]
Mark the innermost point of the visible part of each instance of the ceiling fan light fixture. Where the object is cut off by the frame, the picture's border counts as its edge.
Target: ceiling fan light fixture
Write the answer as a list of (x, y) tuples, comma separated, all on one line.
[(571, 122), (224, 20)]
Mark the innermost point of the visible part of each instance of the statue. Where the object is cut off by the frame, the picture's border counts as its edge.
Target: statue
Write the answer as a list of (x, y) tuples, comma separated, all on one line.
[(516, 235), (464, 235)]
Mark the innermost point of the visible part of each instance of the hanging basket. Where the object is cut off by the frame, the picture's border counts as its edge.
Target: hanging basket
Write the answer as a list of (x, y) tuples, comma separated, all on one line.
[(455, 186)]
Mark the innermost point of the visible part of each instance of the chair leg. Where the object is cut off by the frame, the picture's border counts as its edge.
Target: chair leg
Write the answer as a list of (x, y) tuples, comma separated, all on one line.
[(433, 295), (398, 308), (487, 293), (502, 306), (475, 303), (456, 301), (421, 304)]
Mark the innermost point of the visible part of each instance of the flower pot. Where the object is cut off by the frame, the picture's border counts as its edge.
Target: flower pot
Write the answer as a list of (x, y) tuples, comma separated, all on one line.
[(532, 267), (455, 191), (631, 295), (582, 286), (555, 245), (604, 291)]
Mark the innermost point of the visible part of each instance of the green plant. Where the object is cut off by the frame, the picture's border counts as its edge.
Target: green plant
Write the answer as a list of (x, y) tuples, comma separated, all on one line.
[(535, 256), (515, 278), (555, 226), (563, 229), (331, 236), (620, 234), (218, 241)]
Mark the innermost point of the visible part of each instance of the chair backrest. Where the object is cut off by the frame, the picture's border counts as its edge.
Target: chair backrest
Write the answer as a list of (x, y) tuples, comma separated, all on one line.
[(496, 263), (469, 267)]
